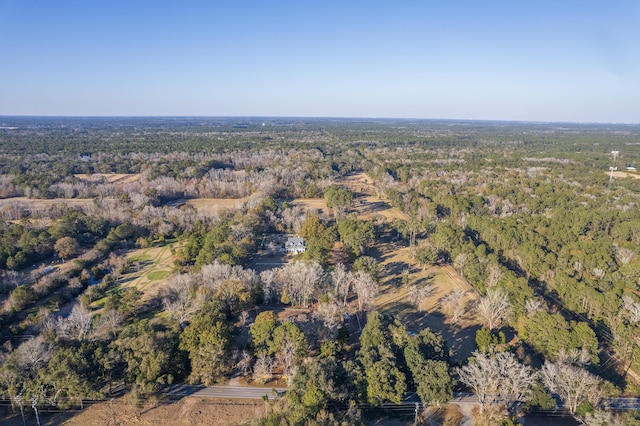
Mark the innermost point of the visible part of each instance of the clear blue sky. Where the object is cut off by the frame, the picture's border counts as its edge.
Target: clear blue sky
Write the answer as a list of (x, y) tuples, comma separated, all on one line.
[(539, 60)]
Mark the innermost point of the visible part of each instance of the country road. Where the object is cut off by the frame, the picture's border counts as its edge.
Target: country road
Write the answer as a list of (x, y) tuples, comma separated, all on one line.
[(225, 391), (411, 399)]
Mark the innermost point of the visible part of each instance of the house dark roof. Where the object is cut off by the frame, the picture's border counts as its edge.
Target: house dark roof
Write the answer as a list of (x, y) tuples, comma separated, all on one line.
[(295, 241)]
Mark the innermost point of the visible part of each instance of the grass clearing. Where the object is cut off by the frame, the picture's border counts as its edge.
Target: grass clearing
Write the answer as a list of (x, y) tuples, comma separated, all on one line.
[(312, 204), (400, 272), (209, 206), (187, 411), (158, 275), (144, 257), (150, 268)]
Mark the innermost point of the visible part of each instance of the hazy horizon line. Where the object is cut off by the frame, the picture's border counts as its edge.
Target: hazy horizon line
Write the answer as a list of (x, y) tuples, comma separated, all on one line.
[(302, 117)]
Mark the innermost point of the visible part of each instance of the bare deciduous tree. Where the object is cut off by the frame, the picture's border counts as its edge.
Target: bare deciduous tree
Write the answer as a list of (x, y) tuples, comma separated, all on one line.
[(118, 265), (459, 262), (331, 316), (342, 281), (624, 255), (244, 317), (77, 325), (109, 322), (33, 355), (494, 308), (366, 290), (183, 299), (301, 280), (572, 383), (263, 369), (417, 293), (532, 306), (286, 358), (494, 273), (632, 308), (215, 274), (601, 418), (453, 304), (244, 362), (498, 379), (269, 285)]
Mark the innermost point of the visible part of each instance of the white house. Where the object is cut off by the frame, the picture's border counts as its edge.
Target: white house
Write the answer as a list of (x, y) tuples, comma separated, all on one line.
[(295, 245)]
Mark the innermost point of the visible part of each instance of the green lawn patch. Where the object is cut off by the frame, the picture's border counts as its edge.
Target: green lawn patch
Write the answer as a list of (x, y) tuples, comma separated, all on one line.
[(140, 258), (158, 275)]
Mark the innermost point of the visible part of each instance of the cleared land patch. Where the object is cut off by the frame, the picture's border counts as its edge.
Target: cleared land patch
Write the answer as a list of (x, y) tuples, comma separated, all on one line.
[(368, 201), (209, 206), (395, 299), (620, 174), (149, 269), (41, 203), (185, 412), (312, 204)]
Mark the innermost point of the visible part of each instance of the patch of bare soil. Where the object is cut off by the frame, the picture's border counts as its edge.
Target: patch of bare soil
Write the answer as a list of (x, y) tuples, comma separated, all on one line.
[(189, 411), (620, 174), (359, 183), (368, 201), (213, 205), (312, 204), (39, 203)]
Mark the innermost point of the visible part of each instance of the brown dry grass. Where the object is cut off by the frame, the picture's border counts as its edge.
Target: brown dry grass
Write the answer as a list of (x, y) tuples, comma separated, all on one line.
[(394, 298), (212, 205), (186, 412), (312, 204), (38, 203), (619, 174), (150, 260), (369, 202)]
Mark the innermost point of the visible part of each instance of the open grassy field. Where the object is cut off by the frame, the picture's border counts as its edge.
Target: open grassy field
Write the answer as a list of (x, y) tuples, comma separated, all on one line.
[(209, 206), (149, 269), (38, 203), (399, 273), (368, 201), (187, 411), (312, 204)]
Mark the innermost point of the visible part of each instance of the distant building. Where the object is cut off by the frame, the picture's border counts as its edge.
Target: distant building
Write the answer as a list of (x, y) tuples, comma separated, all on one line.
[(295, 245)]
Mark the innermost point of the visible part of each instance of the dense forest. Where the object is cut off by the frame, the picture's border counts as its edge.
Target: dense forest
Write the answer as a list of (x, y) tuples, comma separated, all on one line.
[(540, 222)]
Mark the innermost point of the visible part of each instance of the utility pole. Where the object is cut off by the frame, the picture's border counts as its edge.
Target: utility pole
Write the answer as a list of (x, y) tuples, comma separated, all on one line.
[(415, 420), (34, 405), (19, 401)]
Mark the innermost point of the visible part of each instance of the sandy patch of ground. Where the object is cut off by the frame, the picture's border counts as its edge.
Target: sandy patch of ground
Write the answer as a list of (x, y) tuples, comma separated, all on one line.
[(359, 183), (39, 203), (312, 204), (186, 412), (620, 174), (208, 206), (368, 201), (109, 177), (370, 206)]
